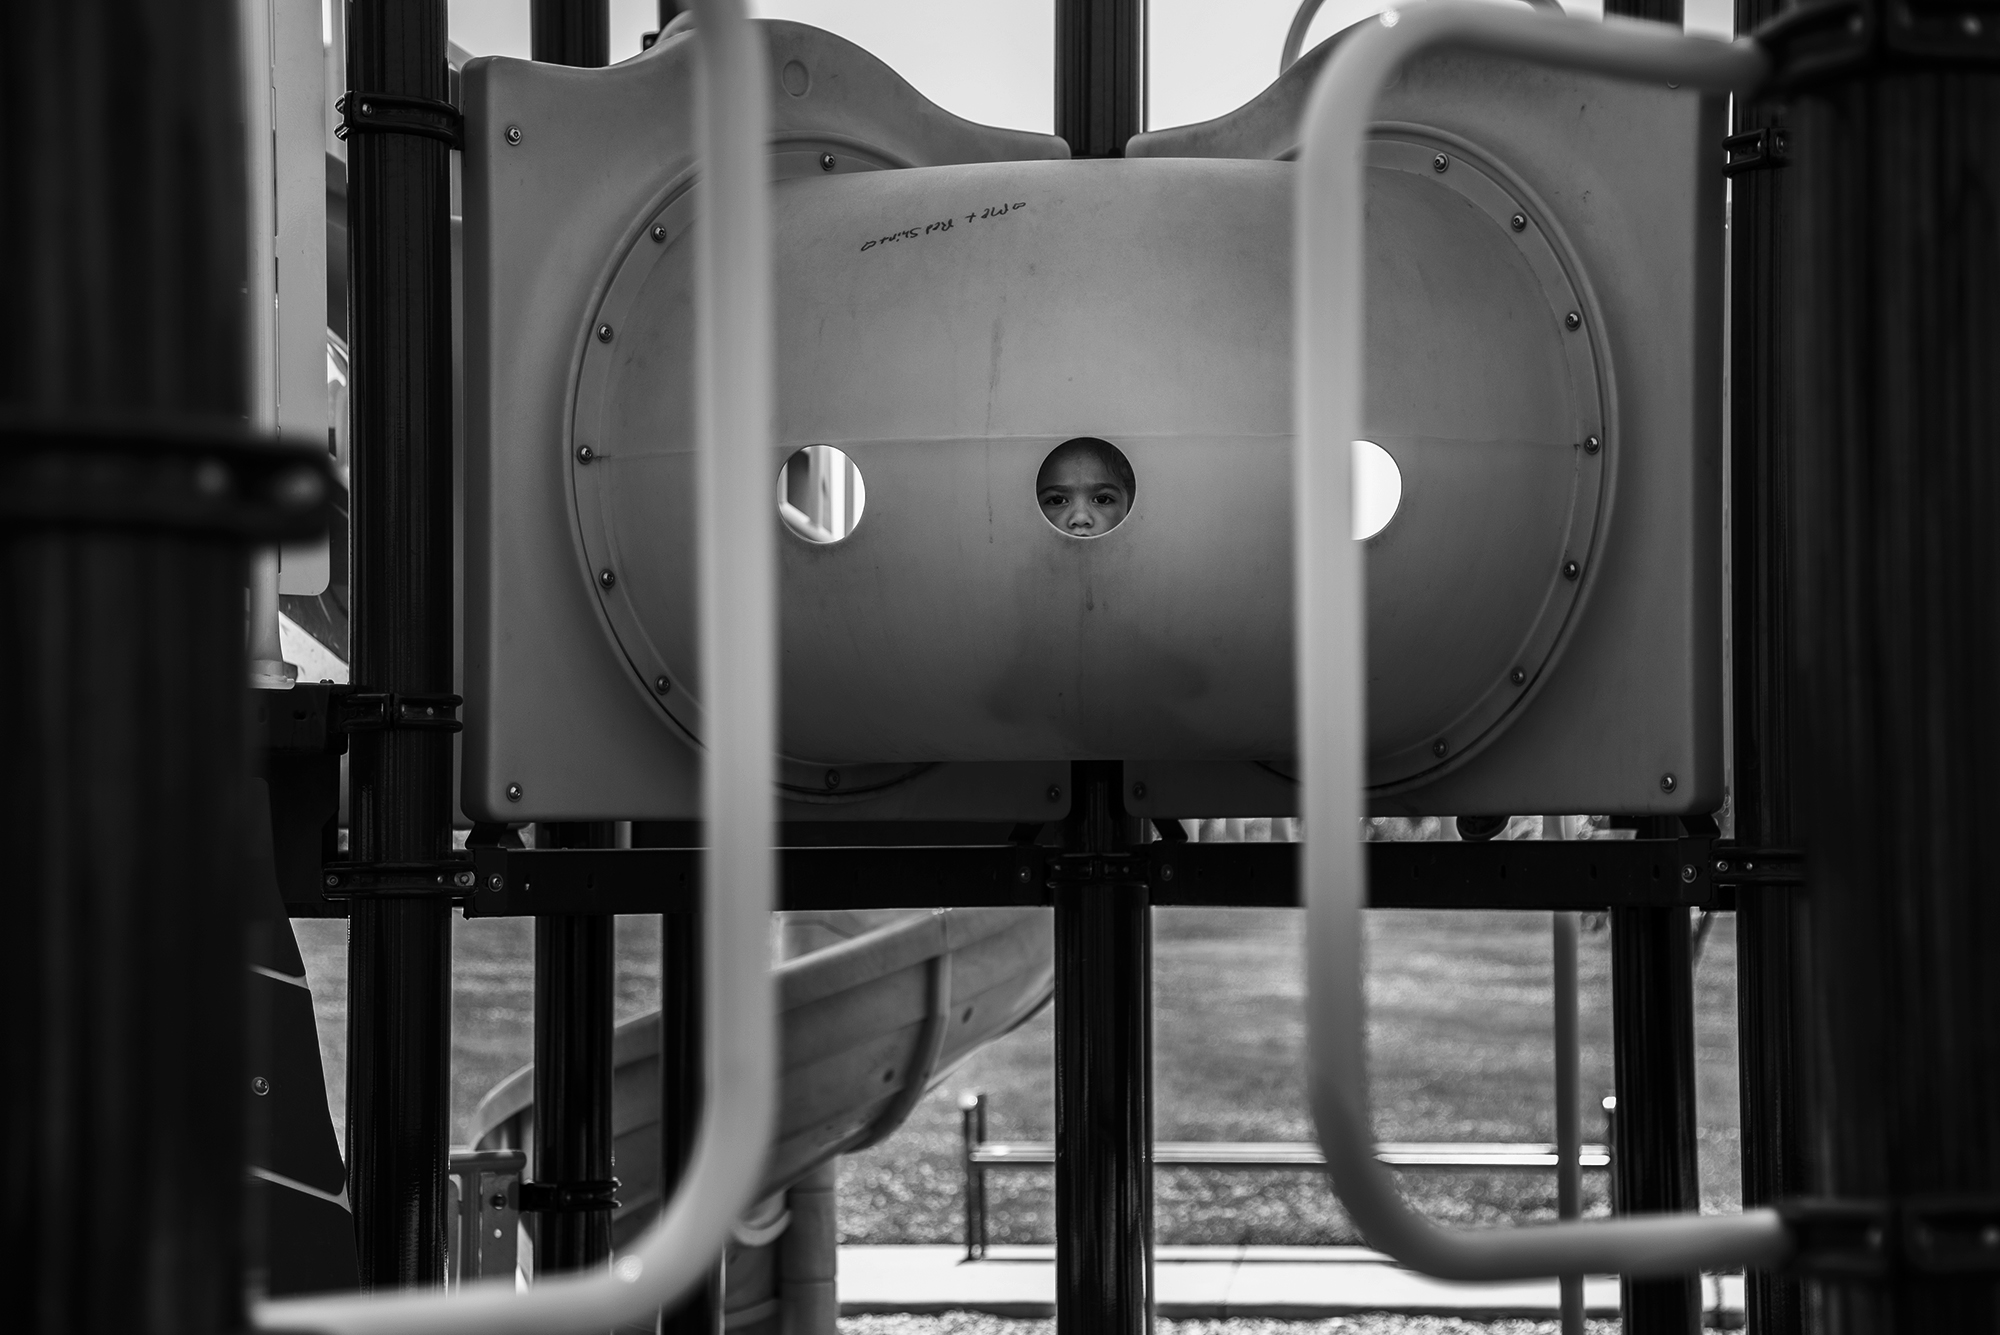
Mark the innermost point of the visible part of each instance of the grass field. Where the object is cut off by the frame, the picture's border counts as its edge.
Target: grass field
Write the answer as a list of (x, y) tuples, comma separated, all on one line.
[(1460, 1051)]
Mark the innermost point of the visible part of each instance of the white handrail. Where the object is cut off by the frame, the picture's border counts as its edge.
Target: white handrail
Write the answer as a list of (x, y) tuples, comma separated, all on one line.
[(1308, 10), (733, 362), (1327, 395)]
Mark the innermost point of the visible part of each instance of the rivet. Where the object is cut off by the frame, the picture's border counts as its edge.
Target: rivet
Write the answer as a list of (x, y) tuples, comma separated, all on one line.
[(826, 162), (606, 578), (1571, 570), (661, 684), (1024, 874), (465, 879), (604, 333), (259, 1086), (332, 881), (368, 108), (513, 792), (1721, 866), (1592, 444), (1517, 676), (499, 1200), (832, 779), (659, 232), (1688, 874), (513, 134), (584, 454), (1440, 163), (1055, 793), (1519, 222), (1668, 783), (1139, 790), (496, 882), (1438, 748), (1572, 321)]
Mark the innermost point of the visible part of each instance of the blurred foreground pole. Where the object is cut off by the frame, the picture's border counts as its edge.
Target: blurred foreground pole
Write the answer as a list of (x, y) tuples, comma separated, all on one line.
[(400, 798), (129, 488), (1894, 304)]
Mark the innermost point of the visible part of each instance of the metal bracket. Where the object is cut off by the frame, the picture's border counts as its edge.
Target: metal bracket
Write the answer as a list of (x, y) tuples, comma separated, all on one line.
[(1099, 868), (569, 1197), (1739, 865), (378, 711), (1939, 1235), (395, 113), (1762, 149), (450, 878), (1829, 39)]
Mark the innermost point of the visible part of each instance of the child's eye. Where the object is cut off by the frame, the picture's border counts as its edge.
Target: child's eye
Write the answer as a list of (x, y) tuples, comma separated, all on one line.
[(1054, 500), (1104, 498)]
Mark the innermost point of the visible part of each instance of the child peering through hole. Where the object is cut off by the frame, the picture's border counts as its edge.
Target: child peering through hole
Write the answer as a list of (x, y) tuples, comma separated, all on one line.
[(1085, 487)]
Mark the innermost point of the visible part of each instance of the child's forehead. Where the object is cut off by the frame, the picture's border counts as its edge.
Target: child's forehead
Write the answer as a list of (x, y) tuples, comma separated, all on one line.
[(1082, 466)]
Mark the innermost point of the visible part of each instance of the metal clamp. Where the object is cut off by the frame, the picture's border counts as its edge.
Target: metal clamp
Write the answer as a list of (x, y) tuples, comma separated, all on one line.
[(1762, 149), (1949, 1235), (569, 1197), (380, 711), (397, 113), (450, 878)]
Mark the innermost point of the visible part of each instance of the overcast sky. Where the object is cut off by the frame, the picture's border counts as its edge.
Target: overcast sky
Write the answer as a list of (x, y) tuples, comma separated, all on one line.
[(993, 60)]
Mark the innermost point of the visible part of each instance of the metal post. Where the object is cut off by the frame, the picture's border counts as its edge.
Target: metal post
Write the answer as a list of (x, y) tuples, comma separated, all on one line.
[(1569, 1122), (972, 1134), (1104, 1073), (1100, 74), (570, 32), (1769, 920), (1894, 303), (124, 360), (400, 800), (1652, 1005)]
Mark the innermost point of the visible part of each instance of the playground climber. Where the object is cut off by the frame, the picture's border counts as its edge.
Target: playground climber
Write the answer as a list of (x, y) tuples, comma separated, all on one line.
[(1085, 487)]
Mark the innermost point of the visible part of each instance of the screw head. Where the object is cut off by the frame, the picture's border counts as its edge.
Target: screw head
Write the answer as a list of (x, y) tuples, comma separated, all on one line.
[(661, 684), (584, 454), (604, 333), (1668, 783), (1592, 444), (464, 880), (1721, 866), (606, 578), (1688, 874), (1024, 874), (1166, 871), (332, 880), (496, 882), (368, 108), (1139, 790), (1572, 321), (826, 162), (1440, 163), (1571, 570), (499, 1200), (1519, 222), (832, 779), (1055, 793), (659, 232), (1517, 676), (1438, 748), (513, 134), (259, 1086), (513, 792)]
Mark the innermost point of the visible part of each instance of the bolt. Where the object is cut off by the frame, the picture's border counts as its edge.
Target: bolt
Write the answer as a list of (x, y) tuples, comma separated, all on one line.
[(826, 162), (1055, 793), (661, 684), (332, 880), (604, 333), (1139, 790), (1166, 871), (1572, 321), (464, 880), (1440, 163), (1688, 874), (499, 1200), (513, 792), (1517, 676), (584, 454), (1571, 570), (1519, 222), (606, 578), (1438, 748), (513, 134), (259, 1086), (1721, 866), (368, 108), (1592, 444), (832, 779), (1668, 783), (496, 882), (659, 232), (1024, 874)]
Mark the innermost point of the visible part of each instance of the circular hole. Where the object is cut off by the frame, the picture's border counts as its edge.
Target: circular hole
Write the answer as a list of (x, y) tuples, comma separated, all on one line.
[(821, 494), (1378, 489), (1086, 487)]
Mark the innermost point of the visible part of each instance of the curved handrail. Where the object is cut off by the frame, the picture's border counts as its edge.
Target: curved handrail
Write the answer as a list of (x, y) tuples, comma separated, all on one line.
[(1295, 36), (738, 649), (1327, 380)]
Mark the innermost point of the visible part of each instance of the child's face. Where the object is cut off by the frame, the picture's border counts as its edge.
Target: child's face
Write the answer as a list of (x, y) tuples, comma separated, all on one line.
[(1081, 496)]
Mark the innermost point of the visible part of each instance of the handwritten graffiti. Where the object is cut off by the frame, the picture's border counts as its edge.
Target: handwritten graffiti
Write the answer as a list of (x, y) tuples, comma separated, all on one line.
[(944, 224)]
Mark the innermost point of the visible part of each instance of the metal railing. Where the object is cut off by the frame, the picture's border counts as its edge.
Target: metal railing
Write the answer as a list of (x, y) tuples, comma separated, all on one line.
[(738, 632), (1332, 644)]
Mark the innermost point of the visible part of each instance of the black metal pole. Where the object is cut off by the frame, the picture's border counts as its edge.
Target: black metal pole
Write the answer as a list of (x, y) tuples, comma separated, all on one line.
[(1104, 1071), (1100, 75), (400, 800), (1894, 303), (570, 32), (1768, 919), (124, 510)]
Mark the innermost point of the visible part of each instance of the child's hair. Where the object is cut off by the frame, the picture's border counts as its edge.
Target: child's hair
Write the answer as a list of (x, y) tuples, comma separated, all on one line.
[(1104, 452)]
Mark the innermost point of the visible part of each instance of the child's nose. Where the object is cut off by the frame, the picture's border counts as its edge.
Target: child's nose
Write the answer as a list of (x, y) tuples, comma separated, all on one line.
[(1081, 520)]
